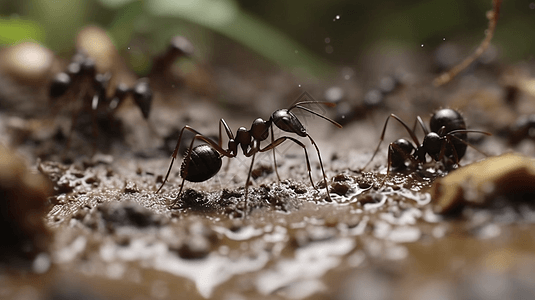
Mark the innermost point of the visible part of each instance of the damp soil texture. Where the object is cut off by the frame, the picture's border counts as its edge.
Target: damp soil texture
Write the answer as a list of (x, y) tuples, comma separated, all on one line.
[(420, 233)]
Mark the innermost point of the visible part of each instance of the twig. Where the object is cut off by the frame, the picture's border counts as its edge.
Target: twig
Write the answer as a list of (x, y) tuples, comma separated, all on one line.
[(493, 16)]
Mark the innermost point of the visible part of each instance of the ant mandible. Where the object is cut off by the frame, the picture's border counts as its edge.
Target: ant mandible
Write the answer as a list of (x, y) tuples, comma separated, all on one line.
[(444, 141), (204, 161)]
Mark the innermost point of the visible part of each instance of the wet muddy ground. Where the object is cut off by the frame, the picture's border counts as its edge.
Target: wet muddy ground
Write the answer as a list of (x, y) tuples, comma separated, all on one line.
[(109, 235)]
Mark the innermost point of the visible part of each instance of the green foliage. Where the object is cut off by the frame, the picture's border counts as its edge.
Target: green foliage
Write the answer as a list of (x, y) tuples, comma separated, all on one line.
[(292, 34), (157, 21), (15, 30), (226, 18)]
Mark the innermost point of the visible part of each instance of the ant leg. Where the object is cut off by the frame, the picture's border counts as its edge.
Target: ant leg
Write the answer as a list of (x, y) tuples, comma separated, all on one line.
[(229, 135), (74, 119), (449, 140), (391, 148), (247, 184), (274, 158), (411, 133), (443, 151), (187, 160), (94, 121), (450, 134), (279, 141), (422, 125), (227, 129), (199, 136), (321, 165)]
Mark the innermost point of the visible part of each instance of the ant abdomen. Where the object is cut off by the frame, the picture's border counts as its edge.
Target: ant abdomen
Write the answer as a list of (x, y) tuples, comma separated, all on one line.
[(401, 150), (203, 164), (448, 118)]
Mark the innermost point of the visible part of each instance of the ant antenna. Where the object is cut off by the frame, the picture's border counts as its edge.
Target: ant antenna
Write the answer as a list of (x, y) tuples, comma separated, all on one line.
[(329, 104), (467, 143)]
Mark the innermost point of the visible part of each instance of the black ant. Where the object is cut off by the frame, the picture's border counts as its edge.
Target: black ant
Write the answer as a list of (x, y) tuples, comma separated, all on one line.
[(445, 141), (82, 83), (204, 161)]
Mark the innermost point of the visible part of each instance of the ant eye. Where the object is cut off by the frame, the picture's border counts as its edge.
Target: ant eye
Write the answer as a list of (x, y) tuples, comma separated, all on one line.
[(59, 85)]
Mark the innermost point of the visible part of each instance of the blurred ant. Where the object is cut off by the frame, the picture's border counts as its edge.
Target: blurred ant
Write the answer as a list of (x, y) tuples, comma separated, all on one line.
[(523, 128), (445, 141), (179, 47), (204, 161), (81, 83)]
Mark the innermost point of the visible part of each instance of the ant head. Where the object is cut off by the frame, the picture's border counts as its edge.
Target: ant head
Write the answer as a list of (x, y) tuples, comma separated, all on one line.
[(143, 97), (432, 144), (89, 67), (59, 85), (259, 129), (287, 121), (448, 118), (121, 89)]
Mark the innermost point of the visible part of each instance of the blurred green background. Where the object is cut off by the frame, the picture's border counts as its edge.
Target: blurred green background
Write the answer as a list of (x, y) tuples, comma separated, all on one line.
[(314, 35)]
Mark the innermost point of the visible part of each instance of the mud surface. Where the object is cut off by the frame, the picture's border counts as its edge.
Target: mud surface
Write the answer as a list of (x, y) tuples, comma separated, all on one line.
[(114, 237)]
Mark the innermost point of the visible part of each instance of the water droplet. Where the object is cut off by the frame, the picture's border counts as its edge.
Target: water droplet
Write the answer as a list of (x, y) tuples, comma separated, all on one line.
[(443, 38), (422, 45), (348, 71), (128, 48), (329, 49), (343, 116), (327, 40), (299, 85), (347, 77), (334, 94), (337, 17)]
